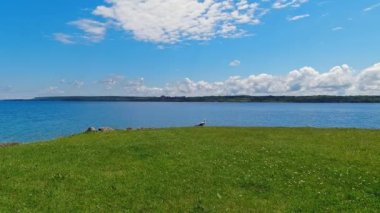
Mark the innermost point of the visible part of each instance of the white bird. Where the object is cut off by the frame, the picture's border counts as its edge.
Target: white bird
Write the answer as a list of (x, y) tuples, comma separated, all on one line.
[(203, 123)]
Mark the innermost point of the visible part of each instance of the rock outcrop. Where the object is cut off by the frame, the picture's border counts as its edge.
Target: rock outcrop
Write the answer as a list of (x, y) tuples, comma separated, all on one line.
[(106, 129), (91, 129)]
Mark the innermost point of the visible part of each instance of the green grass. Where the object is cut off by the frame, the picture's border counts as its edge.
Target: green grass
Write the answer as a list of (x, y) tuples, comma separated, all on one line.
[(195, 170)]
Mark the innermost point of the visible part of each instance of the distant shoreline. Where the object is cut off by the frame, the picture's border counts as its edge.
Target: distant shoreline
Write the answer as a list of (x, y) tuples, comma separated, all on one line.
[(226, 99)]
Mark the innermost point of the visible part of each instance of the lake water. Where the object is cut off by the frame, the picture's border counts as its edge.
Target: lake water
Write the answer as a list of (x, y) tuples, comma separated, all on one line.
[(33, 121)]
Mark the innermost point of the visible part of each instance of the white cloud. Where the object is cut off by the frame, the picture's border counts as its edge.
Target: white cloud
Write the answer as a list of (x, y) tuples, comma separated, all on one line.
[(138, 87), (279, 4), (63, 38), (76, 83), (95, 31), (53, 90), (172, 21), (299, 17), (112, 81), (309, 81), (337, 29), (372, 7), (339, 80), (368, 81), (235, 63)]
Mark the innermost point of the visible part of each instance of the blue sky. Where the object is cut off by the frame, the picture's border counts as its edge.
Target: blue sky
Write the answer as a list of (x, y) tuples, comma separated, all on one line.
[(189, 47)]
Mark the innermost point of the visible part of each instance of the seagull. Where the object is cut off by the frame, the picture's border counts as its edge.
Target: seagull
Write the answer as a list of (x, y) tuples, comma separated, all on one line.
[(203, 123)]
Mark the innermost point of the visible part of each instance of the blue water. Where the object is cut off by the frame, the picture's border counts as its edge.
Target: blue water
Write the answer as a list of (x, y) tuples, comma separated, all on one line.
[(34, 121)]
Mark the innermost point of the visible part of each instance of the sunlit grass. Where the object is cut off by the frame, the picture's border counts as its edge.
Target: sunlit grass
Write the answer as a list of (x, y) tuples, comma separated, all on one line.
[(196, 170)]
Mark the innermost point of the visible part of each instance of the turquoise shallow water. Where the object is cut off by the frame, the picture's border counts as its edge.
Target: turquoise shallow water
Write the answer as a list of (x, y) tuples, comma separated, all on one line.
[(22, 121)]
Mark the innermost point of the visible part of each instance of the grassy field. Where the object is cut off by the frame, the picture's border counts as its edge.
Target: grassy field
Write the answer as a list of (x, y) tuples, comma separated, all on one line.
[(195, 170)]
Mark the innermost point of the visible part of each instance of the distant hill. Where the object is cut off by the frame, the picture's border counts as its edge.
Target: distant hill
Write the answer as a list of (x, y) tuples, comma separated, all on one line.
[(240, 99)]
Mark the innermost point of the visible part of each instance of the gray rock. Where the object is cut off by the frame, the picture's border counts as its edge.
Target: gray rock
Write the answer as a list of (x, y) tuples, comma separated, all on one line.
[(106, 129), (91, 129)]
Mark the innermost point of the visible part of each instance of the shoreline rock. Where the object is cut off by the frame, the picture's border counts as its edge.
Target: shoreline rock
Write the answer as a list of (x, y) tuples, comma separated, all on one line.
[(101, 129), (106, 129), (110, 129), (91, 129)]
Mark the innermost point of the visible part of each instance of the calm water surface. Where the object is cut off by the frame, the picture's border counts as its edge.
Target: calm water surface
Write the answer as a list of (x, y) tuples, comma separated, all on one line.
[(33, 121)]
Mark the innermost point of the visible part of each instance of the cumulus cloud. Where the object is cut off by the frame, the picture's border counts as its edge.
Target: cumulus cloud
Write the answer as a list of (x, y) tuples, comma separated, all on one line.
[(172, 21), (138, 87), (235, 63), (339, 80), (309, 81), (299, 17), (368, 81)]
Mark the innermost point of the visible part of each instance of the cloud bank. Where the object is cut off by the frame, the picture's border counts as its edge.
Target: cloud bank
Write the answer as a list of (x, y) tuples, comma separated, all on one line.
[(339, 80)]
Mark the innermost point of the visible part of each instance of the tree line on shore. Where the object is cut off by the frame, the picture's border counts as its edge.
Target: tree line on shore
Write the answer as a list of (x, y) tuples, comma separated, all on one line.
[(240, 99)]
